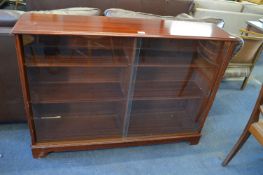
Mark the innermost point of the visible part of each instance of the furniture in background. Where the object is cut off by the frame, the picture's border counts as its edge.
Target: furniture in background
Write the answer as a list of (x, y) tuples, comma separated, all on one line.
[(159, 7), (254, 127), (256, 1), (12, 5), (255, 26), (19, 2), (234, 14), (2, 2), (121, 13), (242, 64), (11, 106), (106, 82)]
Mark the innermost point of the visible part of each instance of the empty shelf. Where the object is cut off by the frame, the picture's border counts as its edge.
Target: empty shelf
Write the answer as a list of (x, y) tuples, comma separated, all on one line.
[(162, 123), (78, 128), (154, 90), (60, 61), (67, 93)]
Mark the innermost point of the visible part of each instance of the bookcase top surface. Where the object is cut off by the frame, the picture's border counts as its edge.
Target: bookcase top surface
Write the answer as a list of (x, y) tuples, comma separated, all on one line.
[(47, 24)]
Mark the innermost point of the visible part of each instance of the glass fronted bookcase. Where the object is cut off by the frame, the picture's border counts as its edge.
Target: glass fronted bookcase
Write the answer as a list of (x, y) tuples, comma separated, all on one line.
[(116, 88)]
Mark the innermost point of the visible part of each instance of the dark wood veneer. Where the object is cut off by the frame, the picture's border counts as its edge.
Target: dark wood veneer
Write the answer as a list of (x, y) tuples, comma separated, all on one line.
[(108, 26), (99, 82)]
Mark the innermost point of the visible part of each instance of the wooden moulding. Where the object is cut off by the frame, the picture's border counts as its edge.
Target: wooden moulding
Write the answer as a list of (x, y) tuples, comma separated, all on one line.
[(44, 24), (41, 150)]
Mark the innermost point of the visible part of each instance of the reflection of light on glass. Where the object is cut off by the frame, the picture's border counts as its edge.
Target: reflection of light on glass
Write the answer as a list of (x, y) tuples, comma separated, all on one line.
[(141, 32), (189, 28)]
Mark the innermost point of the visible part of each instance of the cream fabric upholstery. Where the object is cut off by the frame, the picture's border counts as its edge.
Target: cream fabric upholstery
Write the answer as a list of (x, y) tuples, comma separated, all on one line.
[(114, 12), (234, 72), (83, 11), (256, 129), (242, 63), (257, 9), (247, 54), (219, 5), (234, 21)]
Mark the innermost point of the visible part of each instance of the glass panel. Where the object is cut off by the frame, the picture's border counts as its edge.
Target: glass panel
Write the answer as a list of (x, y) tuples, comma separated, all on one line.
[(78, 85), (42, 50), (157, 117), (74, 121), (173, 83), (112, 87)]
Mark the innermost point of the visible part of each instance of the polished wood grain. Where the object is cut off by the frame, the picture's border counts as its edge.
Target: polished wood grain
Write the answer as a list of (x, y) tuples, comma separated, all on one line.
[(40, 150), (31, 23), (24, 85), (100, 83)]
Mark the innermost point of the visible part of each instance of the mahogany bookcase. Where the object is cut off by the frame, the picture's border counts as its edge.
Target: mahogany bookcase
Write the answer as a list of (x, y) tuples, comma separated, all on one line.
[(100, 82)]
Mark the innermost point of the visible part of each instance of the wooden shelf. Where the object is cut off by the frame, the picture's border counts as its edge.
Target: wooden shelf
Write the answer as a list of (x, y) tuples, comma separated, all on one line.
[(58, 75), (76, 109), (166, 106), (78, 46), (167, 49), (85, 42), (154, 90), (161, 123), (60, 61), (161, 58), (168, 45), (68, 93), (164, 59), (144, 90), (78, 128)]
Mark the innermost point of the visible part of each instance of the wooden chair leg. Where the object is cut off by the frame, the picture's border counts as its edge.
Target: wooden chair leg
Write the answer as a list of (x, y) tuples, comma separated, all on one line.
[(254, 117), (242, 139), (244, 84)]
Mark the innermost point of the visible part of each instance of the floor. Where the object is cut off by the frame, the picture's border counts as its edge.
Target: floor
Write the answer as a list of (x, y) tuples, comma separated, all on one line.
[(226, 120)]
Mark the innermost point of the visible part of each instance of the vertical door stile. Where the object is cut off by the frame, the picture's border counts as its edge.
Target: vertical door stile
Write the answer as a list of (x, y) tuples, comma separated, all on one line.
[(25, 86)]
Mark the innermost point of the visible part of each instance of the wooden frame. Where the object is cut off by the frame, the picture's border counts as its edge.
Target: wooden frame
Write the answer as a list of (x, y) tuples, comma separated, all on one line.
[(151, 82)]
